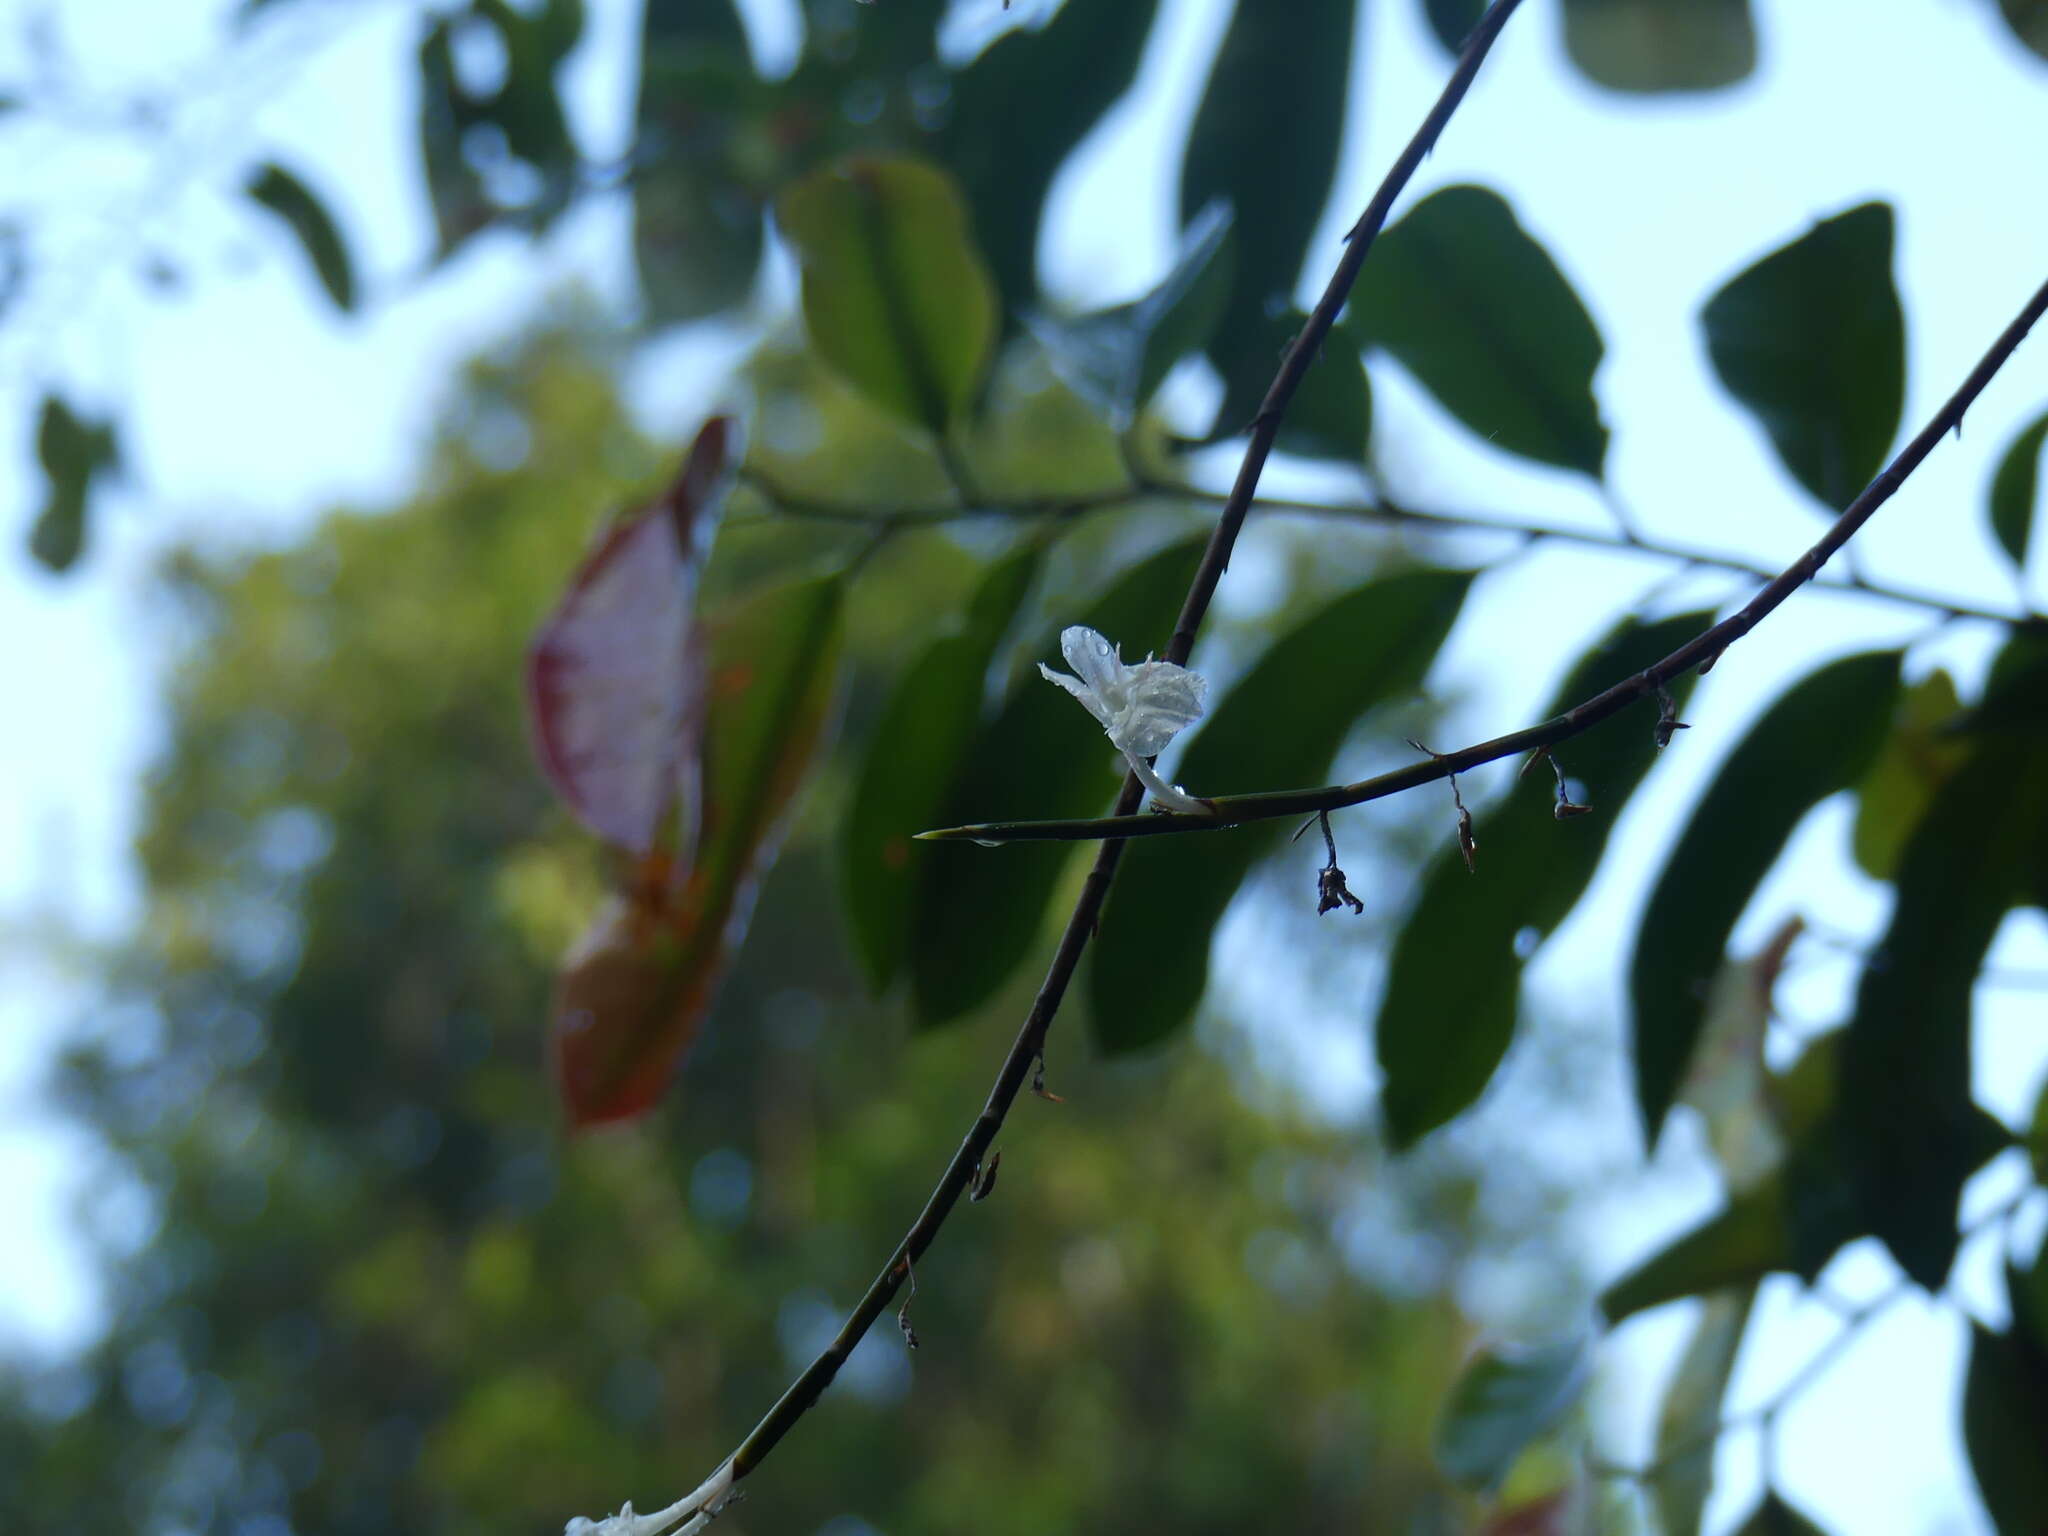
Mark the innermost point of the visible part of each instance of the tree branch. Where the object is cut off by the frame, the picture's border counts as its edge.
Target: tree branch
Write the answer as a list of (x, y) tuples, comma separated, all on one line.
[(1699, 653), (1027, 1052)]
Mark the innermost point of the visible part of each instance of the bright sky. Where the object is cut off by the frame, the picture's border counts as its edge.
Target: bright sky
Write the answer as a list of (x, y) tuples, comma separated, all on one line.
[(230, 395)]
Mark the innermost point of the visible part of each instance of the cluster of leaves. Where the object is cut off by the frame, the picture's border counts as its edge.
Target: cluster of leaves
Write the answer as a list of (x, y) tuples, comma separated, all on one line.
[(716, 142)]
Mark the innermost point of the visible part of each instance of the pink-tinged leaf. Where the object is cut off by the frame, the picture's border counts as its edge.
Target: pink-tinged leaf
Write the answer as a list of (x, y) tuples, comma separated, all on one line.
[(632, 995), (615, 679)]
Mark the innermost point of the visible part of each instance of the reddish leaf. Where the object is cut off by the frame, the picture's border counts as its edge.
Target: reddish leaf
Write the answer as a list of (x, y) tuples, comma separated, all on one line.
[(633, 994), (615, 677)]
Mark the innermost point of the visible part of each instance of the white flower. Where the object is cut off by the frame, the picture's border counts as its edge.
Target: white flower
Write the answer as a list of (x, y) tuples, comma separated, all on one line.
[(707, 1502), (1141, 707)]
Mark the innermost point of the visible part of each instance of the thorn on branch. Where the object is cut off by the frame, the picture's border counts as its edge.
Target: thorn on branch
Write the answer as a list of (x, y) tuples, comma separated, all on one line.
[(984, 1183), (1468, 842), (1668, 723)]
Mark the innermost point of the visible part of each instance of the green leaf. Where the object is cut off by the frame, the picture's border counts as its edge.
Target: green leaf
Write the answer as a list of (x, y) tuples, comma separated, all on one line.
[(291, 200), (1661, 45), (1281, 725), (1816, 740), (1775, 1517), (1330, 416), (1918, 754), (1909, 1123), (1022, 107), (2037, 1137), (2013, 491), (980, 911), (73, 451), (455, 191), (1476, 310), (701, 121), (2029, 22), (634, 993), (2005, 1426), (1449, 1009), (1505, 1401), (1276, 168), (895, 296), (1738, 1246), (1453, 20), (1116, 358), (1726, 1081), (915, 755), (1812, 340), (525, 112), (1686, 1438)]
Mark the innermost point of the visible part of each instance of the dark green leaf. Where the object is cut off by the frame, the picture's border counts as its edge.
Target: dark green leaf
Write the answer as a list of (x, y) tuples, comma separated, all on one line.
[(453, 187), (1917, 755), (1115, 358), (291, 200), (895, 296), (1741, 1244), (633, 994), (1815, 741), (2013, 488), (527, 108), (1812, 340), (1908, 1119), (1281, 725), (912, 762), (2005, 1426), (1792, 1221), (2029, 22), (1661, 45), (2037, 1137), (1453, 20), (696, 209), (1505, 1401), (1330, 416), (73, 452), (1022, 107), (979, 911), (1466, 301), (1449, 1009), (1265, 139), (1774, 1517), (523, 114), (1687, 1425)]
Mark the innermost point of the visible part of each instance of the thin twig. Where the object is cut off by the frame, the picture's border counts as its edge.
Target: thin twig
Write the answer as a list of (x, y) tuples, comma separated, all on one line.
[(1698, 653), (1027, 1051), (1382, 510)]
